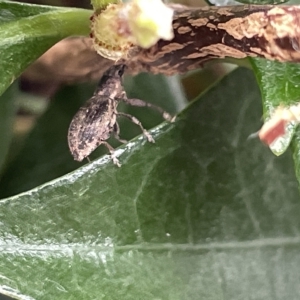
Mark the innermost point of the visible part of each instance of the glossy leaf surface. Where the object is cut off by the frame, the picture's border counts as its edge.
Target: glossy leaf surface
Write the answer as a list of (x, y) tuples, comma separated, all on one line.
[(279, 84), (202, 214)]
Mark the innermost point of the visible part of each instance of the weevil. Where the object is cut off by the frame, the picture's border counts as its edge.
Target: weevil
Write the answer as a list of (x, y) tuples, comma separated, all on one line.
[(93, 124)]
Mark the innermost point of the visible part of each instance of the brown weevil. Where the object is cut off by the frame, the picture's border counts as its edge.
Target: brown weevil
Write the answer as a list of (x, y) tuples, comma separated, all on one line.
[(93, 124)]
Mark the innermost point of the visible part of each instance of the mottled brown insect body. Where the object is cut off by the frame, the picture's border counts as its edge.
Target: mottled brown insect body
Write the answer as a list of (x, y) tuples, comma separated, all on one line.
[(97, 119), (93, 120)]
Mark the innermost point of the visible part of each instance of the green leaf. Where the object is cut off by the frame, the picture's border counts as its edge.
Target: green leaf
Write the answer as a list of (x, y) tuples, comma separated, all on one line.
[(202, 214), (296, 153), (27, 31), (279, 84), (7, 117)]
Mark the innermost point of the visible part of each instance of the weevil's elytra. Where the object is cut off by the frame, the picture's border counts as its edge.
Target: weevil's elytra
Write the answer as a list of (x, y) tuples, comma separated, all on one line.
[(93, 124)]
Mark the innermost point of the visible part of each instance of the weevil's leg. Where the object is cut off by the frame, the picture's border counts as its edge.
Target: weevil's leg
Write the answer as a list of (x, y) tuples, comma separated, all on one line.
[(116, 133), (137, 122), (88, 159), (141, 103), (112, 153)]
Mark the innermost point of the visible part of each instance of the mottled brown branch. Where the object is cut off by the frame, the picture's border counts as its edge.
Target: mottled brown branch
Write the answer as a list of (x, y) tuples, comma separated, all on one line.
[(201, 34), (205, 33)]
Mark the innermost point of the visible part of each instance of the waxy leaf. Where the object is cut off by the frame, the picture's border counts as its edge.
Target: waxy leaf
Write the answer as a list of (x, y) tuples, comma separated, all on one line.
[(280, 85), (203, 213), (27, 31), (279, 82)]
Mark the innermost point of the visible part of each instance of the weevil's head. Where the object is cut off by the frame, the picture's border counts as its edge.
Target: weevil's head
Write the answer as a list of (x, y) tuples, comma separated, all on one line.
[(110, 84), (115, 72)]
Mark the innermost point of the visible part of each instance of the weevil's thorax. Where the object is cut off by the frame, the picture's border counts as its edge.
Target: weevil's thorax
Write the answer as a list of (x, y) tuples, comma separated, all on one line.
[(114, 89), (101, 113)]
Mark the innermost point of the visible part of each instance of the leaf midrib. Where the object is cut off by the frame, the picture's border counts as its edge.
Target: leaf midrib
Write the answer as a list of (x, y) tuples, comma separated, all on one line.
[(77, 247)]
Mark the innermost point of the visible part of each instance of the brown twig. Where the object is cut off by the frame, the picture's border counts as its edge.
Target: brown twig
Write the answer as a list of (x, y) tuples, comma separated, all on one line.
[(201, 34)]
